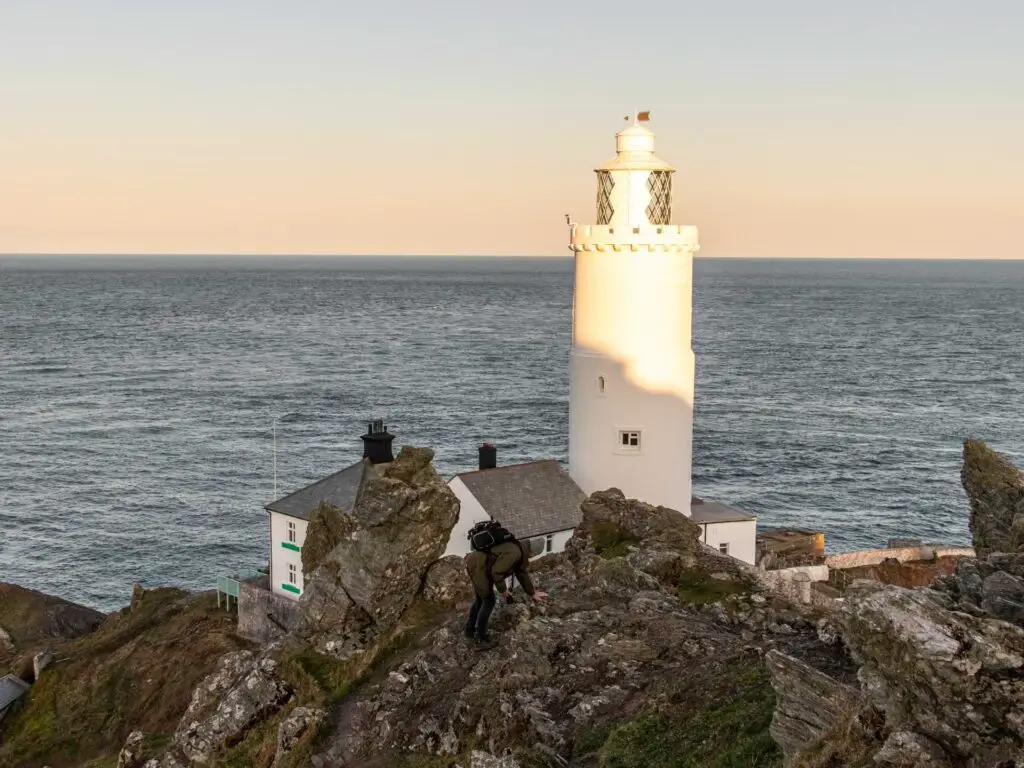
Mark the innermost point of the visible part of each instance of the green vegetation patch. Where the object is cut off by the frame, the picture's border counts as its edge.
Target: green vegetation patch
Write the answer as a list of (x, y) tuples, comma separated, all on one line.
[(611, 539), (696, 587), (719, 720)]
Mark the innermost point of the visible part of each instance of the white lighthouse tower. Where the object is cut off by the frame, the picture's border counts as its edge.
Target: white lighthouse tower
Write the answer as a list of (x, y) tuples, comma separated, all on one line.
[(632, 370)]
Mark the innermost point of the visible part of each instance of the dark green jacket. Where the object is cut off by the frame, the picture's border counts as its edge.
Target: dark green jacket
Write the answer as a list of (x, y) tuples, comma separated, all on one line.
[(491, 569)]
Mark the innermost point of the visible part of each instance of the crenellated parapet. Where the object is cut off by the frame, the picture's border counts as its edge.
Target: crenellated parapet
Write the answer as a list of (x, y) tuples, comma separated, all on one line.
[(675, 238)]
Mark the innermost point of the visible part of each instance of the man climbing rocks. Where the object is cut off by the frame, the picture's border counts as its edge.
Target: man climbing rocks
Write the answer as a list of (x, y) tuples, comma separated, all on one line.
[(496, 556)]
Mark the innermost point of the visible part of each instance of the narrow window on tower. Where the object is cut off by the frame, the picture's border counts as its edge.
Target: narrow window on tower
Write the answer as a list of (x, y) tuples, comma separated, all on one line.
[(605, 184), (629, 441), (600, 385), (659, 209)]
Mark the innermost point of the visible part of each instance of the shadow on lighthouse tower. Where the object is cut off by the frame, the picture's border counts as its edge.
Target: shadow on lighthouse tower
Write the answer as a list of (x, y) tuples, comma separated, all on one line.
[(632, 366)]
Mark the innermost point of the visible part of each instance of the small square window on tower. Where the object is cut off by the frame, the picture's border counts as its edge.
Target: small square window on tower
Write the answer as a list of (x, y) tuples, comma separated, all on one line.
[(629, 440)]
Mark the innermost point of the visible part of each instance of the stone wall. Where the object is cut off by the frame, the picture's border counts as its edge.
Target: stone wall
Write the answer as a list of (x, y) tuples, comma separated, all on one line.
[(262, 614), (793, 583), (876, 556)]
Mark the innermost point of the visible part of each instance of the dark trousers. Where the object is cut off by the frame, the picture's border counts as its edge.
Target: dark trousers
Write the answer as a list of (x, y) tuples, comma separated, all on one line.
[(479, 615)]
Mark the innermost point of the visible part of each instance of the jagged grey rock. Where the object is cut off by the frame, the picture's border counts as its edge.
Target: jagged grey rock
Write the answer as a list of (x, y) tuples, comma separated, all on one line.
[(903, 749), (130, 755), (399, 526), (446, 580), (486, 760), (995, 489), (294, 727), (242, 691), (809, 702), (613, 638), (952, 677)]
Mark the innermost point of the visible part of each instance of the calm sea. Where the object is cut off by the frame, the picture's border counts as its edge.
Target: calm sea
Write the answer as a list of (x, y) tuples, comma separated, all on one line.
[(137, 398)]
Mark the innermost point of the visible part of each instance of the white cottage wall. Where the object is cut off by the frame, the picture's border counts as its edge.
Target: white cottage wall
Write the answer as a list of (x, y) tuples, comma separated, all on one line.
[(741, 536), (470, 513), (284, 553)]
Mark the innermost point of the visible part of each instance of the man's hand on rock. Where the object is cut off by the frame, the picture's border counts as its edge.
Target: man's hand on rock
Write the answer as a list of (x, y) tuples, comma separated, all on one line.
[(539, 596), (507, 595)]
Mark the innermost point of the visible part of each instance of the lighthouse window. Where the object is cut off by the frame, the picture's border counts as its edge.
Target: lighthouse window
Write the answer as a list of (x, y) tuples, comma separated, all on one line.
[(629, 441), (600, 385), (605, 184), (659, 184)]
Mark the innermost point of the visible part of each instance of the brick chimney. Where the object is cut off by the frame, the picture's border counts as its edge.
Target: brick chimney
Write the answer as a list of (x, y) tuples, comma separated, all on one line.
[(377, 443), (488, 456)]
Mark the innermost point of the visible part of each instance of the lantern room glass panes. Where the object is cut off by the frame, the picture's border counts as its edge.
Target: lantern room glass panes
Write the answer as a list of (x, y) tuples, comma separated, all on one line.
[(605, 184), (659, 184)]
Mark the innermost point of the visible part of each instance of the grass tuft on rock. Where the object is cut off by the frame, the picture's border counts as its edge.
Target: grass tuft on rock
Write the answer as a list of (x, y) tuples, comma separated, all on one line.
[(721, 722), (696, 587), (611, 539)]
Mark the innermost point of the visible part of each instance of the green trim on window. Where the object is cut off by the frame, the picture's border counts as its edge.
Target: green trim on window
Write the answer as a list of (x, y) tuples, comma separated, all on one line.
[(289, 545), (291, 588)]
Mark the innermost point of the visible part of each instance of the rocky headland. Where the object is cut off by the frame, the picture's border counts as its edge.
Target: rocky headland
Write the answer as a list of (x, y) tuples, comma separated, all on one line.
[(653, 650)]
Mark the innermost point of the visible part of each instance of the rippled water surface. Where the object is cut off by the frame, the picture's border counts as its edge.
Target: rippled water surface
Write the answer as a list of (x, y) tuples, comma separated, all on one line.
[(136, 404)]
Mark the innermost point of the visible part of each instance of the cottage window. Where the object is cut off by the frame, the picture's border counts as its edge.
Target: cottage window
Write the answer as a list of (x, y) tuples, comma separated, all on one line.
[(291, 531), (549, 543), (293, 574), (629, 440), (724, 548)]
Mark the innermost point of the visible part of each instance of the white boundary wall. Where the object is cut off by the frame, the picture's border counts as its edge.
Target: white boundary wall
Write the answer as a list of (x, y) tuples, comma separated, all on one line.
[(904, 554)]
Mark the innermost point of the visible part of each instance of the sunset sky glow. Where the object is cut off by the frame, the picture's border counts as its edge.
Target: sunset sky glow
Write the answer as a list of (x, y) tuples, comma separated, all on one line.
[(871, 129)]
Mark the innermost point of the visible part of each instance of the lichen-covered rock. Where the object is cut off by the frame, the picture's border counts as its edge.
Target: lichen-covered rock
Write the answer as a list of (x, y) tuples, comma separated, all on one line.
[(613, 640), (904, 749), (952, 677), (399, 526), (809, 702), (486, 760), (243, 691), (299, 722), (995, 489), (446, 582), (131, 753)]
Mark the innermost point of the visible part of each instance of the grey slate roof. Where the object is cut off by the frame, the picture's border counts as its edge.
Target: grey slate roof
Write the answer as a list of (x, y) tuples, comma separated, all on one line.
[(12, 688), (339, 490), (713, 512), (529, 499)]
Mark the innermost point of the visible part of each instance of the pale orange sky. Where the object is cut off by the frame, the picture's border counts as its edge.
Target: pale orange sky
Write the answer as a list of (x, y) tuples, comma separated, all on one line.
[(257, 128)]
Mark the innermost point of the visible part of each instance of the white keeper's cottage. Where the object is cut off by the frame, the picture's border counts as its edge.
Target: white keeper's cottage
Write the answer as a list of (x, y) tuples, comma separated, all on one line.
[(534, 500)]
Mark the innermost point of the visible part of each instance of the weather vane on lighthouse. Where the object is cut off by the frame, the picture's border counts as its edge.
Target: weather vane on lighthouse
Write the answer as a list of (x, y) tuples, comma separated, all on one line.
[(638, 117)]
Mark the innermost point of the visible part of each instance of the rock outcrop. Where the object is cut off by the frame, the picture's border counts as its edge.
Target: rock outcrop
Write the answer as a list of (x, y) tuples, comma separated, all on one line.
[(995, 489), (30, 620), (941, 669), (399, 526), (810, 703), (625, 634)]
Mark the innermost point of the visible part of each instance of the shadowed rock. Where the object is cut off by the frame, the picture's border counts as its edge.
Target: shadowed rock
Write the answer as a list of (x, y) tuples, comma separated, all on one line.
[(995, 489), (809, 704)]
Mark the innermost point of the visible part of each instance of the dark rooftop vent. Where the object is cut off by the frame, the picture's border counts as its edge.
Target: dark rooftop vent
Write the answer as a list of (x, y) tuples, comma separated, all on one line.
[(377, 443), (488, 456)]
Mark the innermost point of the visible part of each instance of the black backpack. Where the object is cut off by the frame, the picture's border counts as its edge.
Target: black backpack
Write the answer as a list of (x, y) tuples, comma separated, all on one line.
[(488, 534)]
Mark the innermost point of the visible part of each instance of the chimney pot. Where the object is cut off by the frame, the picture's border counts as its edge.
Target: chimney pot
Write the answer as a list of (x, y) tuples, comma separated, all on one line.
[(488, 456), (377, 443)]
